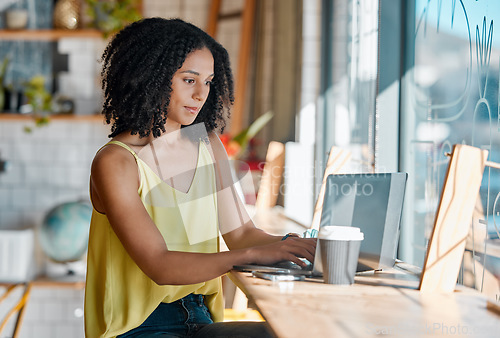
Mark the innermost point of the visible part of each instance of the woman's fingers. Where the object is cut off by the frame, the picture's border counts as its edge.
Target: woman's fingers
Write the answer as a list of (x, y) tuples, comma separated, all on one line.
[(308, 244), (296, 260), (301, 247), (291, 249)]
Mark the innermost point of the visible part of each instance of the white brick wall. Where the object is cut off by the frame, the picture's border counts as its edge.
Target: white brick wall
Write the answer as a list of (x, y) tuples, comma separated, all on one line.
[(49, 166), (81, 81)]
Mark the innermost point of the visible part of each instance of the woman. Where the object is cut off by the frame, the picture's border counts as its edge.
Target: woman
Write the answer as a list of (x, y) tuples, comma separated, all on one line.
[(162, 191)]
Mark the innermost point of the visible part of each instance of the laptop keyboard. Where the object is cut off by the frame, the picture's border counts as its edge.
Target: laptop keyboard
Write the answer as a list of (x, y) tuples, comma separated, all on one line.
[(293, 266)]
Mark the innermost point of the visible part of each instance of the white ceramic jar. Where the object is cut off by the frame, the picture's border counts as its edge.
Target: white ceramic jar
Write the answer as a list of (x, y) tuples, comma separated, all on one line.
[(16, 18)]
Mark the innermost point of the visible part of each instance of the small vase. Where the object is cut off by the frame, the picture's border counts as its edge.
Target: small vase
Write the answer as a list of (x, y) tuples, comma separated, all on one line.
[(16, 18), (66, 14)]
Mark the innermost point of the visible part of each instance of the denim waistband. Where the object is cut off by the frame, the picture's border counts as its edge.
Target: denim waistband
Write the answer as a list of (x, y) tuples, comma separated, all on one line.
[(183, 317)]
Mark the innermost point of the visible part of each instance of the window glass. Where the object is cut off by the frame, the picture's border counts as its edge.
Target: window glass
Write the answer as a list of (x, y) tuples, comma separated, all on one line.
[(349, 76), (450, 95)]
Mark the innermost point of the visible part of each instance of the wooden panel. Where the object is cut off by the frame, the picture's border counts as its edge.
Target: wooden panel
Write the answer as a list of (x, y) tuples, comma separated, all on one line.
[(245, 50), (213, 17), (453, 219), (272, 175), (70, 117), (48, 34), (246, 47)]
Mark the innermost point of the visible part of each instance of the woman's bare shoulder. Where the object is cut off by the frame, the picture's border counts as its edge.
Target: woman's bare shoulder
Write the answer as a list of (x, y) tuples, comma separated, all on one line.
[(111, 154), (113, 173), (115, 159)]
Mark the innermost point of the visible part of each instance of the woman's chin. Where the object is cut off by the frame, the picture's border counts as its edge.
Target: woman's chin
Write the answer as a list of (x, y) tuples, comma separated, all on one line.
[(188, 122)]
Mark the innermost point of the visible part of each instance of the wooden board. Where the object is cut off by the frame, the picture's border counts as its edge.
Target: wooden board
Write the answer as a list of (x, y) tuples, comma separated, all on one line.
[(269, 187), (453, 219)]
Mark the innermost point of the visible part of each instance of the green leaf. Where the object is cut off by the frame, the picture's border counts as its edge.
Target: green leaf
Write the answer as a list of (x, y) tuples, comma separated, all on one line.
[(258, 124), (41, 121), (112, 15), (3, 69), (247, 134)]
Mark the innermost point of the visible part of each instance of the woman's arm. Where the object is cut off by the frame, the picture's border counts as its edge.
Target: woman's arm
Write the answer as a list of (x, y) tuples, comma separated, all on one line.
[(114, 184), (236, 226)]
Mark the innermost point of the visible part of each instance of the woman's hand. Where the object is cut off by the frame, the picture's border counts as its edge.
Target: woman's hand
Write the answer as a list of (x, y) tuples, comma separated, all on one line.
[(289, 249)]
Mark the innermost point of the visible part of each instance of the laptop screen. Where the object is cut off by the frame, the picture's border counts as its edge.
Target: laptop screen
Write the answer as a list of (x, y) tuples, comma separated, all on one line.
[(373, 203)]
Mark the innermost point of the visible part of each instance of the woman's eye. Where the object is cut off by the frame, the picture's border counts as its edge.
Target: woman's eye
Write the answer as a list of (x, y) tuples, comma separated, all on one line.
[(189, 81), (208, 83)]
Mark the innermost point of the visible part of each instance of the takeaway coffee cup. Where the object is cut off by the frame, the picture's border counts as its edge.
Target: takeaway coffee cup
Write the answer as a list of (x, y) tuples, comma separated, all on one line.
[(339, 247)]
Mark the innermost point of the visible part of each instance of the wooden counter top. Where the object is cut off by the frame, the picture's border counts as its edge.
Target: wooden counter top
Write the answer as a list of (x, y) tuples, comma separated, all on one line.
[(315, 309)]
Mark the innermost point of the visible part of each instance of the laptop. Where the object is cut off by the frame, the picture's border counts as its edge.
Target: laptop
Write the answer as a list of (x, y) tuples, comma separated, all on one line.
[(372, 202)]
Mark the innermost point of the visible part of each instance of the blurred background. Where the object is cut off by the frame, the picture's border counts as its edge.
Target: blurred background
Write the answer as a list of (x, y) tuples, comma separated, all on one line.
[(394, 83)]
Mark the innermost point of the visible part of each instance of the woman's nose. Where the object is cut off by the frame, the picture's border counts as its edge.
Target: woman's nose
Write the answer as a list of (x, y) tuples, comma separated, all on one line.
[(201, 92)]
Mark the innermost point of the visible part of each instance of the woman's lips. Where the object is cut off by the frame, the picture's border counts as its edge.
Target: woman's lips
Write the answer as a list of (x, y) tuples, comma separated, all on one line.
[(192, 110)]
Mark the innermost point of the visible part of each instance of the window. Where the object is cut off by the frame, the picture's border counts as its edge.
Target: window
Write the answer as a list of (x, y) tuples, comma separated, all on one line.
[(349, 70), (450, 95), (403, 82)]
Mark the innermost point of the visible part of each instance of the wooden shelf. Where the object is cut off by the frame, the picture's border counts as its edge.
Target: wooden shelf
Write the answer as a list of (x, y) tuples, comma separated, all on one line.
[(74, 282), (48, 34), (43, 281), (76, 118)]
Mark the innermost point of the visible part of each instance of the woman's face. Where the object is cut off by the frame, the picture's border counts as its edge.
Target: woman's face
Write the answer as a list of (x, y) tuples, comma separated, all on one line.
[(190, 88)]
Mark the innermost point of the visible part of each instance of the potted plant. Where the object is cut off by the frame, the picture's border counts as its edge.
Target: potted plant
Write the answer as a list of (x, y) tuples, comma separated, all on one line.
[(237, 145), (39, 99), (110, 16)]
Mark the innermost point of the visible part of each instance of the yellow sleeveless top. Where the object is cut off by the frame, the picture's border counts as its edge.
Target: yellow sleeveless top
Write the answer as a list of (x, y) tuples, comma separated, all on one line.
[(118, 295)]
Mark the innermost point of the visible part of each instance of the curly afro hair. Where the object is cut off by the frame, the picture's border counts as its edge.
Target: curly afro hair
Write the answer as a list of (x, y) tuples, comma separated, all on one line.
[(138, 66)]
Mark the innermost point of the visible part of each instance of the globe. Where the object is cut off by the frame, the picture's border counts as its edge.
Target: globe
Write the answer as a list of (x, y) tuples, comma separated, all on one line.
[(64, 232)]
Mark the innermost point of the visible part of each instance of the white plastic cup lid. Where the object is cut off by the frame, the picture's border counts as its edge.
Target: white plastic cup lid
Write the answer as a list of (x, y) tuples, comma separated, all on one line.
[(340, 233)]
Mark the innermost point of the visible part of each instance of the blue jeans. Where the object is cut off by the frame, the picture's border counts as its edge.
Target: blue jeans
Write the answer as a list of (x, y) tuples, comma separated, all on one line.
[(189, 317)]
